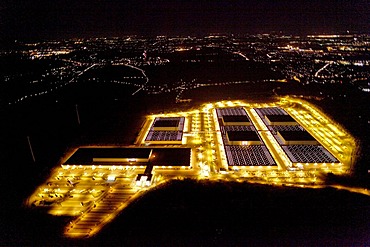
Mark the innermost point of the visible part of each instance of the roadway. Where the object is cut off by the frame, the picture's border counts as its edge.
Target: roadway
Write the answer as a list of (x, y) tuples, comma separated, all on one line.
[(270, 142)]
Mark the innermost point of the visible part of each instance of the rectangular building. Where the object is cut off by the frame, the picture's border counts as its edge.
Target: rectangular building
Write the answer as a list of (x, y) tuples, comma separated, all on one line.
[(123, 156), (302, 149), (243, 146), (166, 131)]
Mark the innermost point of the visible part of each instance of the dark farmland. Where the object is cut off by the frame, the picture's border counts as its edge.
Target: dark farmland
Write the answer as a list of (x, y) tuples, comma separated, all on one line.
[(203, 213)]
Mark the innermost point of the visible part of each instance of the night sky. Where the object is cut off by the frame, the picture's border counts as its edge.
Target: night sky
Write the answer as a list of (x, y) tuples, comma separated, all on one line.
[(26, 19)]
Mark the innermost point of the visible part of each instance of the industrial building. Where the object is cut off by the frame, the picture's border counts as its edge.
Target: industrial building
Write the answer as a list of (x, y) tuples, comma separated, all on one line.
[(138, 157), (243, 146), (166, 131), (302, 149)]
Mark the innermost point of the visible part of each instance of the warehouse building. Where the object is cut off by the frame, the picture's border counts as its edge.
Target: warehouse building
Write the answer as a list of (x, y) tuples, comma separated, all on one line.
[(302, 149), (166, 131), (243, 146)]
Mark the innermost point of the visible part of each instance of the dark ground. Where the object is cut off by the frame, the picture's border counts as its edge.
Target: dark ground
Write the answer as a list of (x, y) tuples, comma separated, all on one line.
[(204, 213)]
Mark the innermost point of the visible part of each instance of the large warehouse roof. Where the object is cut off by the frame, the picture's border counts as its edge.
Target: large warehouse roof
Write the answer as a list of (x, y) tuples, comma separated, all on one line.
[(255, 155), (158, 156), (84, 156), (309, 154)]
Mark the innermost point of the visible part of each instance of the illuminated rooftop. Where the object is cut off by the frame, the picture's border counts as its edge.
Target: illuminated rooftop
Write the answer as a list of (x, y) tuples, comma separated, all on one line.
[(252, 155), (309, 154)]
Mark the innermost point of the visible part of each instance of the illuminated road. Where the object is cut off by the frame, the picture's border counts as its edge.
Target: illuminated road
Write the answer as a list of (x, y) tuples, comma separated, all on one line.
[(143, 72), (274, 148), (242, 55), (321, 69)]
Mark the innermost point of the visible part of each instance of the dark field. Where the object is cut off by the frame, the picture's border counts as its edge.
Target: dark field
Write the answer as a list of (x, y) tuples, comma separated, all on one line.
[(192, 213), (204, 213)]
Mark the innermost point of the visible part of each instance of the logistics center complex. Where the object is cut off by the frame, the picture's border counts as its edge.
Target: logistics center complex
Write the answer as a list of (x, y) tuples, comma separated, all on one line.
[(288, 142)]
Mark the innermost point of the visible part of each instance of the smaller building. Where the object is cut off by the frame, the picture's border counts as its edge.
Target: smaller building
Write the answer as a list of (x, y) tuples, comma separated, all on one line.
[(143, 180), (280, 120), (243, 138), (166, 131)]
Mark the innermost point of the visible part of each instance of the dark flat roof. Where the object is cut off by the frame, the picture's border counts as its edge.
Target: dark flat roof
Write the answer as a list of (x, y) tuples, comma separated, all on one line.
[(242, 136), (167, 123), (170, 157), (86, 155), (163, 156), (280, 118), (236, 118), (296, 136)]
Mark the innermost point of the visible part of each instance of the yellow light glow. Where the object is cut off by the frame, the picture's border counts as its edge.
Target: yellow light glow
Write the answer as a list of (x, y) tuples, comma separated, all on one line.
[(85, 193)]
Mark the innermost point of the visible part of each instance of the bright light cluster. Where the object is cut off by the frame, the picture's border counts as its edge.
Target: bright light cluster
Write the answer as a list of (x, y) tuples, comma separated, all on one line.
[(95, 194)]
